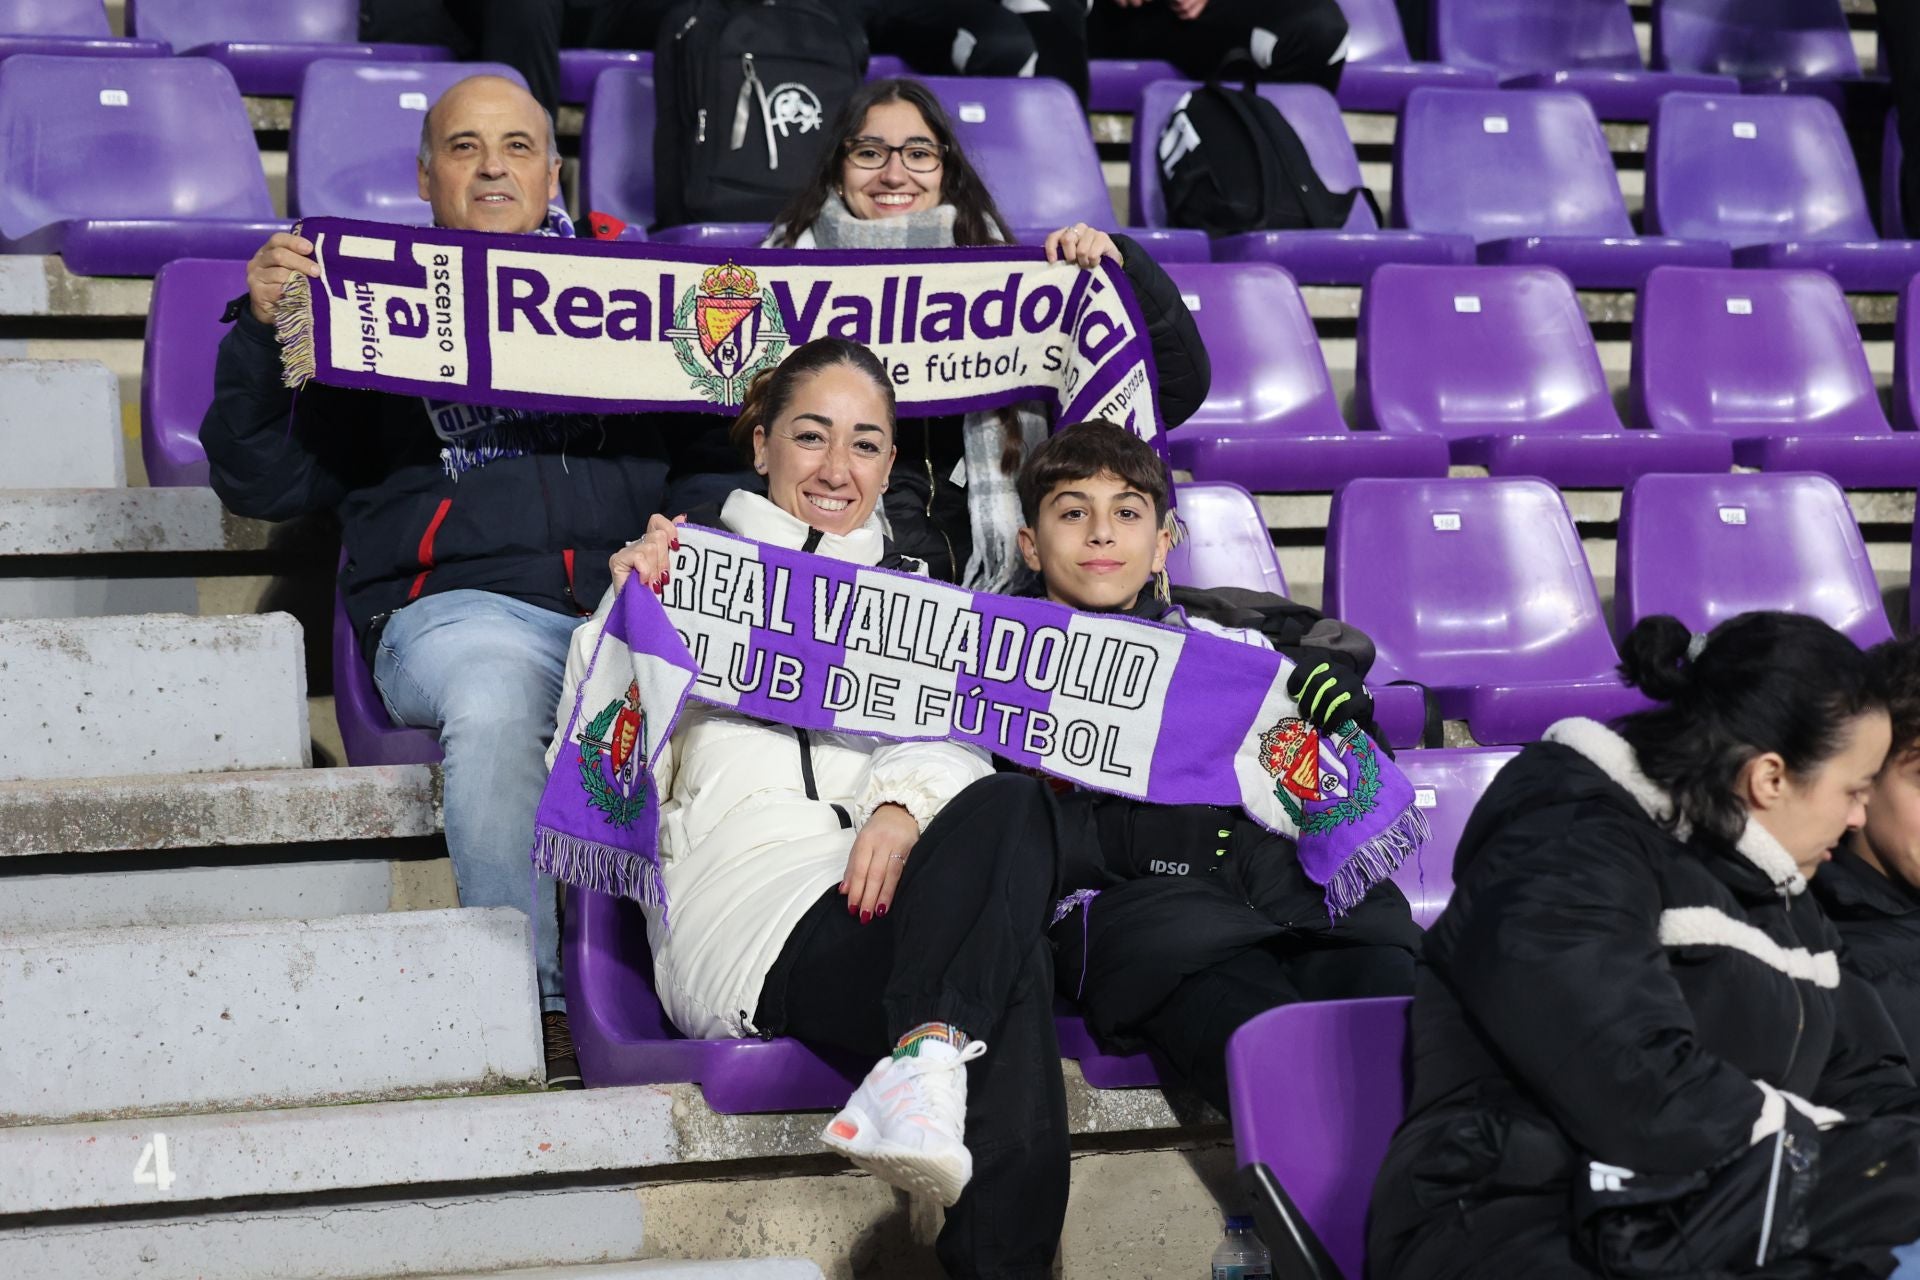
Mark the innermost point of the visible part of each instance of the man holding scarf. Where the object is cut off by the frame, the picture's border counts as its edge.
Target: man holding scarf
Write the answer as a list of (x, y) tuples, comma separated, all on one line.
[(476, 538)]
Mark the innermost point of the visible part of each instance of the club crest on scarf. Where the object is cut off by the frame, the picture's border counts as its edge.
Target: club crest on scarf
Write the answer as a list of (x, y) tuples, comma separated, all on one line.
[(613, 748), (1312, 782), (737, 327)]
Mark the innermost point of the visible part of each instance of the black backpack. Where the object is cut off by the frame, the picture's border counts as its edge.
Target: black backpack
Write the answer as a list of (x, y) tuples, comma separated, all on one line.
[(745, 92), (1230, 162)]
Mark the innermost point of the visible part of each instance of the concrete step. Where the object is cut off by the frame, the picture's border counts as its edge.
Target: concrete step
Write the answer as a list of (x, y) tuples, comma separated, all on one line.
[(264, 1014), (41, 285), (82, 522), (662, 1269), (165, 693), (60, 425)]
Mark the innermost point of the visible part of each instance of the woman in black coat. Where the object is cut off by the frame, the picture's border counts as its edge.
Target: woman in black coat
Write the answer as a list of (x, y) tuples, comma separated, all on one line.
[(1633, 1049), (1871, 890)]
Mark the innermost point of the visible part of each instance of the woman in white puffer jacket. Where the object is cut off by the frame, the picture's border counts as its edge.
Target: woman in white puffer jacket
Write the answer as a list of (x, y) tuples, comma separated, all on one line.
[(860, 893)]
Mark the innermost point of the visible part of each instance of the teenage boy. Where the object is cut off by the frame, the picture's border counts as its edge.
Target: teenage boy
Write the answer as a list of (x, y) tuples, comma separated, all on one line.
[(1201, 918)]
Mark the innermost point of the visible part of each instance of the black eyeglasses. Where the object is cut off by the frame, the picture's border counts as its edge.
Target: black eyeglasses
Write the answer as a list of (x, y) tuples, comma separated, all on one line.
[(918, 157)]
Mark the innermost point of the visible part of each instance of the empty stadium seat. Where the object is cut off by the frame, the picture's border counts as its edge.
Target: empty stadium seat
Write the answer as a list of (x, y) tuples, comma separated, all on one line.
[(1773, 176), (355, 145), (122, 164), (1029, 141), (1345, 256), (1906, 359), (1754, 39), (1380, 73), (184, 330), (1773, 360), (1708, 548), (1524, 641), (1893, 223), (1226, 543), (616, 146), (1115, 84), (66, 28), (1530, 178), (267, 46), (1500, 362), (1271, 421), (1316, 1092), (366, 730), (579, 68), (1583, 46), (1447, 784)]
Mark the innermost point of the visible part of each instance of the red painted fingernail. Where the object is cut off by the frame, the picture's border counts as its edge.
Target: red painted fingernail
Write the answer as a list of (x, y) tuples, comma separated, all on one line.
[(883, 908), (865, 917), (853, 908), (656, 587), (674, 545), (843, 886)]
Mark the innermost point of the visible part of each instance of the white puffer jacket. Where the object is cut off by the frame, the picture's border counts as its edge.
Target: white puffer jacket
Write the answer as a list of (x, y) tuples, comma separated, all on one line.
[(748, 840)]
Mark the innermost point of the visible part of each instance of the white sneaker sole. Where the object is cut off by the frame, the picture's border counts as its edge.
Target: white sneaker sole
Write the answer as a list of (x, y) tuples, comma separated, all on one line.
[(940, 1177)]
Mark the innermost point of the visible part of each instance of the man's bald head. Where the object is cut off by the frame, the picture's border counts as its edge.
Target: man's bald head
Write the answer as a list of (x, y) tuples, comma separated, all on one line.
[(488, 158)]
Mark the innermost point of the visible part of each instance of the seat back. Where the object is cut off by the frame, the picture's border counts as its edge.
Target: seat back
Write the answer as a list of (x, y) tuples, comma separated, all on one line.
[(1317, 1090), (123, 138), (1494, 165), (188, 24), (53, 18), (1268, 369), (1025, 137), (184, 330), (1464, 582), (355, 146), (1447, 783), (1753, 169), (1226, 542), (1750, 354), (366, 730), (1309, 109), (1754, 38), (1374, 33), (616, 146), (1474, 351), (1518, 36), (1906, 360), (1706, 548)]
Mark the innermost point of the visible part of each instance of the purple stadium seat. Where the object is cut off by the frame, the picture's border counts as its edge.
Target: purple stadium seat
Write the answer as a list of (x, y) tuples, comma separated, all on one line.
[(1707, 548), (1380, 73), (1893, 221), (1041, 174), (1271, 421), (1101, 1068), (122, 164), (624, 1037), (66, 28), (366, 730), (1345, 256), (1447, 783), (176, 370), (1317, 1090), (1584, 46), (579, 68), (1115, 84), (1163, 244), (1773, 360), (1774, 177), (1525, 642), (1906, 359), (1226, 543), (354, 150), (267, 44), (713, 235), (1530, 178), (616, 146), (1499, 361), (1754, 39)]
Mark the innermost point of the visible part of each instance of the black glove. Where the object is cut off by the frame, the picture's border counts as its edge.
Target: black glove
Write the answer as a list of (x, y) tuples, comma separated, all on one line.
[(1329, 692)]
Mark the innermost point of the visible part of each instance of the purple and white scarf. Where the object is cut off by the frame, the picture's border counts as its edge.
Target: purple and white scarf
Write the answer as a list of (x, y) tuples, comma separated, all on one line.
[(1157, 713)]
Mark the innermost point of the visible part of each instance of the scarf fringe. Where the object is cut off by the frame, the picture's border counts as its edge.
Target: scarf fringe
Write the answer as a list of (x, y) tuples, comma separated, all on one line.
[(293, 326), (1376, 860), (600, 868)]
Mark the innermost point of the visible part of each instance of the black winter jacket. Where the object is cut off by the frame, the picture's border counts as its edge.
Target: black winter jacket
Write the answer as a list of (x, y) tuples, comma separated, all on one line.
[(1598, 990), (538, 527), (1879, 922)]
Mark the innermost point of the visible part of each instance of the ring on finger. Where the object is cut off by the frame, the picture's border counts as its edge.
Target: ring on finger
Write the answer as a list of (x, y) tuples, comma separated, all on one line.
[(896, 857)]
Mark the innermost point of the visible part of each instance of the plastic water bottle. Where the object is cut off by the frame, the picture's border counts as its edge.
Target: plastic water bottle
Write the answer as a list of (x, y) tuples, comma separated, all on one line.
[(1241, 1256)]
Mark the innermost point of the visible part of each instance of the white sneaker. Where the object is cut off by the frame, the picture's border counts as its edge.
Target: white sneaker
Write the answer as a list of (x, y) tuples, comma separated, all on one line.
[(906, 1123)]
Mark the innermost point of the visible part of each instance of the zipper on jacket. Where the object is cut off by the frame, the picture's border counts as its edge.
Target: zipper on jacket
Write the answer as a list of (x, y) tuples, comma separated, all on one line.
[(1799, 1001), (953, 561), (805, 740)]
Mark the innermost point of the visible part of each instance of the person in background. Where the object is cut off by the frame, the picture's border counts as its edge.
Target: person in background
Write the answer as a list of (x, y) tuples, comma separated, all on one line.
[(475, 538), (1633, 1048), (523, 34), (1291, 41)]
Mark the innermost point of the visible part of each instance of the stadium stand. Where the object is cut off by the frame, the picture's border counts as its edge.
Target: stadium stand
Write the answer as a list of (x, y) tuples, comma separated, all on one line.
[(1500, 362), (1754, 39), (1581, 46), (1556, 201), (176, 372), (1447, 782), (268, 47), (1345, 256), (65, 28), (1225, 541), (1708, 548), (1773, 360), (1380, 73)]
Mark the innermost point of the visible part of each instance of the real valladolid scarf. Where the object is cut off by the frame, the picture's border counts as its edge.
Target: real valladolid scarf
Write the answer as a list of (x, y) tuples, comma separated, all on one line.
[(1118, 704), (544, 323)]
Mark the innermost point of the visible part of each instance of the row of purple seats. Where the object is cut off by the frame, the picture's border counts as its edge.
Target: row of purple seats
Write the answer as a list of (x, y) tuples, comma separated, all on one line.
[(67, 27)]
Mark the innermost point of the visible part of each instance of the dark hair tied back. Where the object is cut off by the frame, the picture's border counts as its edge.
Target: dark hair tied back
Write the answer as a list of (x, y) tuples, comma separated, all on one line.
[(772, 390), (1654, 657)]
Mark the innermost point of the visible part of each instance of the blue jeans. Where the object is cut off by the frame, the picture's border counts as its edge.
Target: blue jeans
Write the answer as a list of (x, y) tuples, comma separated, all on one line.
[(1909, 1257), (483, 671)]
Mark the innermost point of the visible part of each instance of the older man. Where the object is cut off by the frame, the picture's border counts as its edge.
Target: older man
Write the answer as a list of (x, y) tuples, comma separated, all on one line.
[(476, 538)]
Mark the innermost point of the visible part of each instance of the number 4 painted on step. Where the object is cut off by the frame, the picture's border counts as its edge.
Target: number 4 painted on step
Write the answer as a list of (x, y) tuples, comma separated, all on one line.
[(154, 1169)]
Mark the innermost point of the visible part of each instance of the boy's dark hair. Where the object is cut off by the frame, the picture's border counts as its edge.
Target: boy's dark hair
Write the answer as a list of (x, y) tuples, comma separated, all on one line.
[(1897, 663), (1084, 450)]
